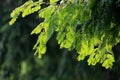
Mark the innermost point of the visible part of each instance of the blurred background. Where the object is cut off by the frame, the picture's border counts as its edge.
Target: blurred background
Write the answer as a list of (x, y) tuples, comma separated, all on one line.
[(17, 60)]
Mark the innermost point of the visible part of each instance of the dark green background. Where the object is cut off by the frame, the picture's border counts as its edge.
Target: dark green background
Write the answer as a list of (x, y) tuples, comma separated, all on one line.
[(17, 60)]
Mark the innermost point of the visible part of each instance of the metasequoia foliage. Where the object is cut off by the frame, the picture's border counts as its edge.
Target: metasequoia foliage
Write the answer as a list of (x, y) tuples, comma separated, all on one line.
[(87, 26)]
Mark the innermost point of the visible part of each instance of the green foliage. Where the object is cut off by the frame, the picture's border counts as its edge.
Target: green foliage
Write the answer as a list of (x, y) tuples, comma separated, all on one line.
[(26, 9), (53, 1), (85, 26)]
